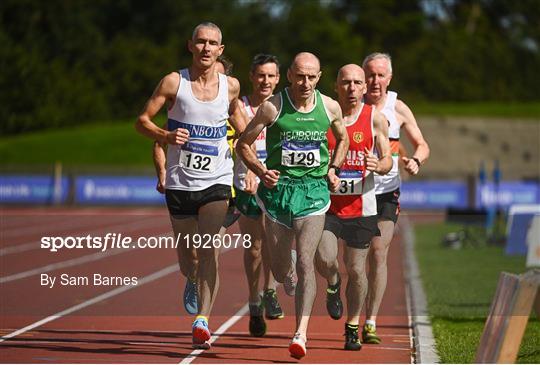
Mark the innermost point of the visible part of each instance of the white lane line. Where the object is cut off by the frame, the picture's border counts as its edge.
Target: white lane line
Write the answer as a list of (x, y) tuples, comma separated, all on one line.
[(64, 222), (425, 349), (221, 330), (35, 244), (389, 348), (63, 264), (147, 279), (237, 333), (157, 275), (409, 310), (83, 211), (59, 224), (243, 311), (68, 263), (405, 236), (85, 342)]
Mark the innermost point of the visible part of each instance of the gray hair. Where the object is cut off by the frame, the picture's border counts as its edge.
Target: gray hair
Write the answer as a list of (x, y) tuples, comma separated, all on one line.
[(378, 55), (206, 25)]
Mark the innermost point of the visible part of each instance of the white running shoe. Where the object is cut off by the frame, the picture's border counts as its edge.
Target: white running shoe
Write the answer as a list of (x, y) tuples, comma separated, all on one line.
[(297, 347)]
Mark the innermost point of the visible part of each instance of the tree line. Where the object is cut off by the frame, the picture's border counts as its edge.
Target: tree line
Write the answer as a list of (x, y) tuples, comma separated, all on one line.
[(67, 62)]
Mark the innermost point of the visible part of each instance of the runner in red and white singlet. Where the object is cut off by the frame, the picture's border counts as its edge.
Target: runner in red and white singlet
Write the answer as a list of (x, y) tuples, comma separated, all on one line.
[(356, 195), (353, 211)]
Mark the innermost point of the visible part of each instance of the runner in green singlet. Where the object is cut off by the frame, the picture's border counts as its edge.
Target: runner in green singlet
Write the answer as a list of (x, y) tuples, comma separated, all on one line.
[(297, 179)]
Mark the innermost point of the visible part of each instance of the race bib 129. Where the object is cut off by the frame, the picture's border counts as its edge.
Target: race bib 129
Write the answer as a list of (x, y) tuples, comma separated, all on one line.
[(297, 154)]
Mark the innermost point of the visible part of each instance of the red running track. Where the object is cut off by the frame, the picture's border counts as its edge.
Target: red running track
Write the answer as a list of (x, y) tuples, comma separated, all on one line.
[(145, 323)]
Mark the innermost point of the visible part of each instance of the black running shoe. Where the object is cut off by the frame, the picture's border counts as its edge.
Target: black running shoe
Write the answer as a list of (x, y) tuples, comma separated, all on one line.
[(272, 308), (334, 306), (257, 325), (352, 342)]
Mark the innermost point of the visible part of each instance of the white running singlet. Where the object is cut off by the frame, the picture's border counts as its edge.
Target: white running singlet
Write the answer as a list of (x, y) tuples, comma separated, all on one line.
[(391, 181), (206, 159), (240, 169)]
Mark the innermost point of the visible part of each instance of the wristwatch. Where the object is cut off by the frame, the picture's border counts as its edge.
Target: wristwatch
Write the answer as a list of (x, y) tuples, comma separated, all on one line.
[(416, 160), (337, 170)]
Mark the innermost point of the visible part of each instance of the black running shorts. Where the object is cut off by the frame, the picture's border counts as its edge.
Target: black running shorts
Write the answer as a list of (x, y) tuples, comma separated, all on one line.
[(356, 232), (185, 204), (388, 206), (232, 214)]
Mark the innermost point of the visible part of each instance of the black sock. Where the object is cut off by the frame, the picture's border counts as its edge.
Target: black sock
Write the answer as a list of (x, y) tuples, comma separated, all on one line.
[(336, 286)]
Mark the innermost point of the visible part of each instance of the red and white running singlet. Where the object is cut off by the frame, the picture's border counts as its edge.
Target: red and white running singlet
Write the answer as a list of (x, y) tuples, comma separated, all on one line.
[(356, 194)]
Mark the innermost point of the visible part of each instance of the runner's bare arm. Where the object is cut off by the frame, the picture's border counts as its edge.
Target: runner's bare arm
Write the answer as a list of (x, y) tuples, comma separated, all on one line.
[(159, 158), (421, 148), (265, 116), (158, 154), (338, 129), (237, 115), (382, 164), (165, 91), (240, 120), (342, 139), (250, 181)]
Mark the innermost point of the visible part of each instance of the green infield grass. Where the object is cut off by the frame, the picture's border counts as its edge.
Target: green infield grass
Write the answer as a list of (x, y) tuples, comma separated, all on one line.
[(101, 144), (460, 285), (111, 144)]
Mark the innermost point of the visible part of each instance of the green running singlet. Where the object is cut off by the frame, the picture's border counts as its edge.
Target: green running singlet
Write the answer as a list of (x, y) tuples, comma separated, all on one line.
[(296, 142)]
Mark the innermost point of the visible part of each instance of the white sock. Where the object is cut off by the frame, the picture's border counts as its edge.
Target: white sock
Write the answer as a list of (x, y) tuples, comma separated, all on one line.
[(371, 322)]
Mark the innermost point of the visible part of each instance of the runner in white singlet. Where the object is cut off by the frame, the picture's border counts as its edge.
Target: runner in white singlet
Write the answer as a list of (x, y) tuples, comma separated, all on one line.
[(199, 163), (264, 76), (378, 69)]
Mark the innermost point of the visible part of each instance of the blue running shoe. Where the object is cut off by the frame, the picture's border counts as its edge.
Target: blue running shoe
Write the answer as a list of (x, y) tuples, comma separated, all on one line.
[(201, 333), (190, 297)]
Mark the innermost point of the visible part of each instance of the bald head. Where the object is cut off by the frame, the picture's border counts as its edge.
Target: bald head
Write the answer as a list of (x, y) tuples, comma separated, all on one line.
[(350, 87), (304, 74), (306, 59), (351, 69)]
